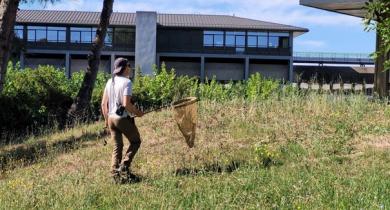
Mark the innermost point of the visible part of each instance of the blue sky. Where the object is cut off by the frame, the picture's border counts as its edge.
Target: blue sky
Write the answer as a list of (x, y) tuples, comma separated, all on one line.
[(329, 32)]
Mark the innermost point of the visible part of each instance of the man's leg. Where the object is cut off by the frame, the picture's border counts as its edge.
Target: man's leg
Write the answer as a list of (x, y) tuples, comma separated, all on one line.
[(116, 137), (130, 130)]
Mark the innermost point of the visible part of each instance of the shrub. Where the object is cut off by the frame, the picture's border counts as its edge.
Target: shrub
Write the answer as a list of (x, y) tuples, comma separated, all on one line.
[(259, 88), (37, 98), (161, 89)]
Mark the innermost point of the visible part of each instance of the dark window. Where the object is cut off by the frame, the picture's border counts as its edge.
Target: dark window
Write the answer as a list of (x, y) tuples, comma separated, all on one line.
[(279, 40), (18, 30), (213, 39), (124, 36), (108, 39)]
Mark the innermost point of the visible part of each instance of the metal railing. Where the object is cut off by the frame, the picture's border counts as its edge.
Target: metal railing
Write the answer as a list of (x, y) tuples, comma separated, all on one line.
[(337, 58)]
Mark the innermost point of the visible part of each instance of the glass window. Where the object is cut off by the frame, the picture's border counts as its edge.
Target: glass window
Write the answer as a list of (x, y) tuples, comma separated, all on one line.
[(56, 34), (37, 33), (240, 41), (218, 40), (258, 39), (31, 35), (81, 34), (213, 38), (279, 34), (236, 39), (208, 40), (252, 41), (262, 41), (124, 36), (279, 40), (75, 37), (61, 36), (273, 42), (230, 40), (285, 42), (18, 30), (86, 36), (108, 39)]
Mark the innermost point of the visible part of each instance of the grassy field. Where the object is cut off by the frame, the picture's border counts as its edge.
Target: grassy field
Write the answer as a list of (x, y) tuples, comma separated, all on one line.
[(293, 152)]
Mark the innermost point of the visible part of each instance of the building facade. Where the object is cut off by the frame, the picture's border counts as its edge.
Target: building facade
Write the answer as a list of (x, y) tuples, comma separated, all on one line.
[(203, 46)]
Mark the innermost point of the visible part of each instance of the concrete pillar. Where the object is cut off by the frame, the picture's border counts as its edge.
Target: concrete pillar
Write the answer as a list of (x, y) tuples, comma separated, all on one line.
[(291, 70), (25, 34), (67, 65), (291, 62), (68, 35), (145, 41), (158, 61), (246, 70), (112, 60), (21, 60), (202, 70)]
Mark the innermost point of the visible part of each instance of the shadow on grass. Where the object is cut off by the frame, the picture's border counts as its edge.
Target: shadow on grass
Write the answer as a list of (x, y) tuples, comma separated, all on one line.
[(211, 168), (25, 155)]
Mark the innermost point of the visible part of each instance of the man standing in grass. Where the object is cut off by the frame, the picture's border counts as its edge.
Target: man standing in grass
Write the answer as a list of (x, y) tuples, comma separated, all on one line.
[(116, 109)]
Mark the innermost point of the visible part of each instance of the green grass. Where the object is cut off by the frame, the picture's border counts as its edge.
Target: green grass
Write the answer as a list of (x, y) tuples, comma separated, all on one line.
[(323, 152)]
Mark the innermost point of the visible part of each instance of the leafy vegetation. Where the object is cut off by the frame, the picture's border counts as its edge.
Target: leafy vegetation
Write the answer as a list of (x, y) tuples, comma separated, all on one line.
[(39, 98), (378, 19)]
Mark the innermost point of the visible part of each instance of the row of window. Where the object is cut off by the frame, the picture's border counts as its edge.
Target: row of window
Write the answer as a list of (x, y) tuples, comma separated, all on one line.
[(241, 39), (122, 36)]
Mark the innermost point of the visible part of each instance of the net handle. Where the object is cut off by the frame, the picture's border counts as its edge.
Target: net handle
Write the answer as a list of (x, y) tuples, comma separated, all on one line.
[(176, 104)]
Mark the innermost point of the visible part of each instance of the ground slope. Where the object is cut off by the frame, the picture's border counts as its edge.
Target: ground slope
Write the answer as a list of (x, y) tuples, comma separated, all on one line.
[(307, 152)]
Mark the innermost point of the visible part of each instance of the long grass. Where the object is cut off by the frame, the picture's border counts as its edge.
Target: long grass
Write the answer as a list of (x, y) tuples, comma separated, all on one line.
[(291, 152)]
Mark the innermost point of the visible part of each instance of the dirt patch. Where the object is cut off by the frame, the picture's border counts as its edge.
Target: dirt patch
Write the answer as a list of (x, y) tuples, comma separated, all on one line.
[(375, 142)]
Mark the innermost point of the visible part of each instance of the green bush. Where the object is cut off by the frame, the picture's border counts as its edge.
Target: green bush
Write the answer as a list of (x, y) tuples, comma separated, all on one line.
[(161, 89), (36, 98), (258, 88)]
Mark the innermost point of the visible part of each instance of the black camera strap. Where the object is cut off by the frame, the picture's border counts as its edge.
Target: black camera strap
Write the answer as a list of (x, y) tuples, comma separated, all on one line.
[(119, 105)]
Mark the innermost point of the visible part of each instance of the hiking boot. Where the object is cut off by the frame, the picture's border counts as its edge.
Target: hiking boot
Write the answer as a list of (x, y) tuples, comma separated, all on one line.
[(127, 176), (117, 179), (123, 170)]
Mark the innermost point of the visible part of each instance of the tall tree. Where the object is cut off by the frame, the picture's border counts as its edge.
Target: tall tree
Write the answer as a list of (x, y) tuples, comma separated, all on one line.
[(378, 18), (8, 10), (80, 106)]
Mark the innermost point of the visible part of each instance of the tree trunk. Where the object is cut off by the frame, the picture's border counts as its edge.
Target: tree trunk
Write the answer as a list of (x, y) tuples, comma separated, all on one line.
[(381, 78), (80, 106), (8, 9)]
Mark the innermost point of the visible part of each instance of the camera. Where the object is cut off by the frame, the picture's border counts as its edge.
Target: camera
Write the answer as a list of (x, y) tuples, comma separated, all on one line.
[(120, 110)]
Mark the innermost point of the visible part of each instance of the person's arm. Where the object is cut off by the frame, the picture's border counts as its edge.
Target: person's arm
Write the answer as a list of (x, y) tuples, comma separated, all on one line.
[(130, 107), (104, 106)]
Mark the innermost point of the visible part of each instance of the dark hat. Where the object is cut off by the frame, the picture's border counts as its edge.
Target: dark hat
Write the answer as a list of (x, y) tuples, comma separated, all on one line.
[(120, 64)]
